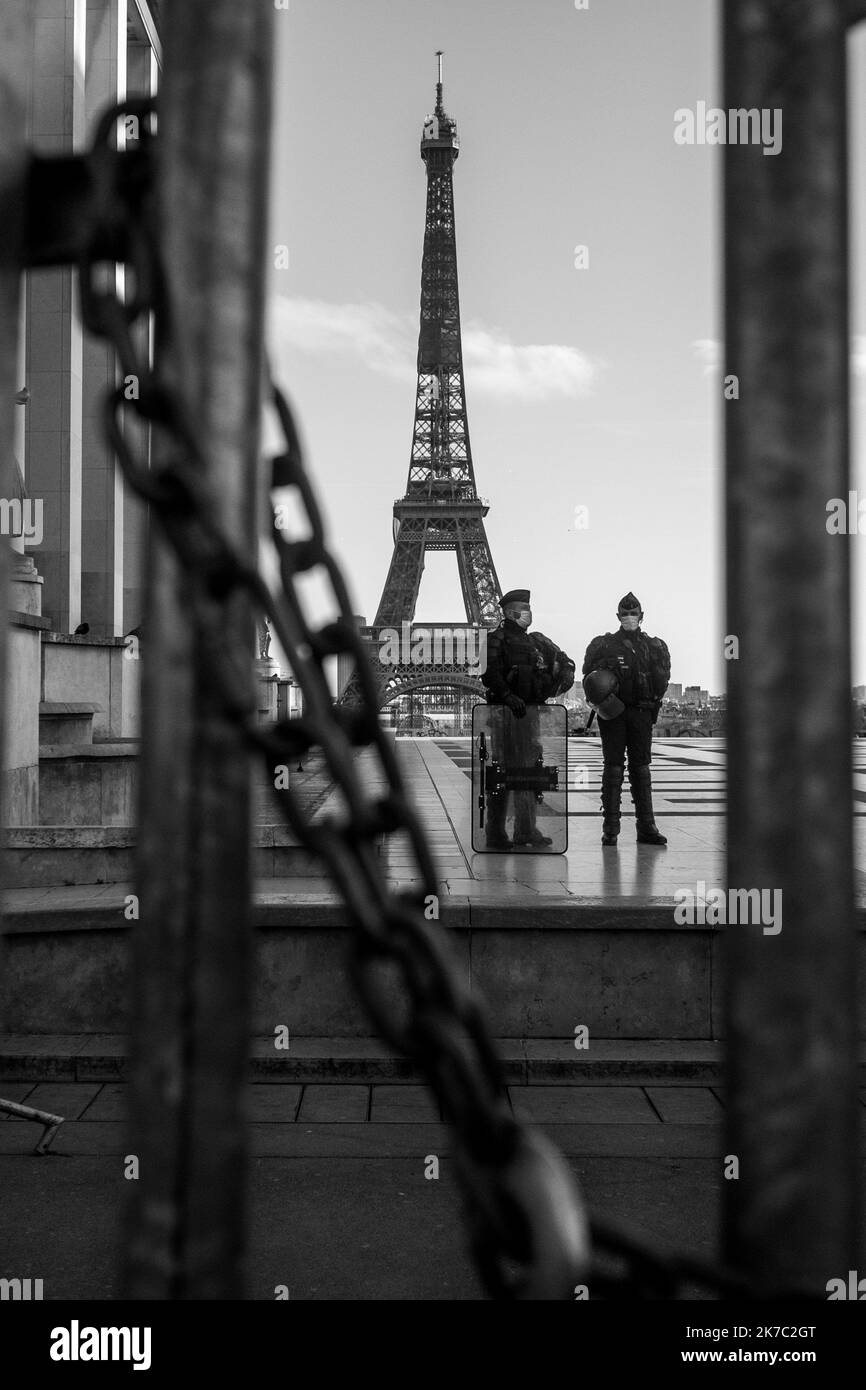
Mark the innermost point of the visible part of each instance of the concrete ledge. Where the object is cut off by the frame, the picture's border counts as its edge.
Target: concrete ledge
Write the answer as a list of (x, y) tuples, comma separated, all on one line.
[(116, 836), (89, 1058), (525, 1061), (61, 910), (70, 639), (103, 748), (66, 958), (69, 836), (57, 856), (580, 914), (18, 619), (66, 707)]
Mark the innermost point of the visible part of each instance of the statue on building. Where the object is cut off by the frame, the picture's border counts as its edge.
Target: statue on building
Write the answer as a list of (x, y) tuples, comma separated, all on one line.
[(263, 637)]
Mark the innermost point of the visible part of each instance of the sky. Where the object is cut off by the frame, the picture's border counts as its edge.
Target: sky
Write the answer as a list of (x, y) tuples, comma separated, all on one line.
[(593, 388)]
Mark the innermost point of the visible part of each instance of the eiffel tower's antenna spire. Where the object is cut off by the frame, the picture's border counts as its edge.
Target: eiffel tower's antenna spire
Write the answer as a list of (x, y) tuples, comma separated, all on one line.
[(439, 107)]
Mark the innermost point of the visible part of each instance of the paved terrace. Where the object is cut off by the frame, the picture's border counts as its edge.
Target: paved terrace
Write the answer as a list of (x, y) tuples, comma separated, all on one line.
[(689, 791), (629, 889), (689, 782), (689, 798)]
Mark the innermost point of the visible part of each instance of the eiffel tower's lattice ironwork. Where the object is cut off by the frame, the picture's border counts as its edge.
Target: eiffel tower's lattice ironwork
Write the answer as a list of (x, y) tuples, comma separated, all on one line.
[(441, 509)]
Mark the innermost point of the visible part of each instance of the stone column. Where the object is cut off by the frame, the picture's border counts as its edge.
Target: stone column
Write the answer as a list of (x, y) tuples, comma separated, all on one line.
[(21, 754), (101, 482), (53, 429), (131, 513)]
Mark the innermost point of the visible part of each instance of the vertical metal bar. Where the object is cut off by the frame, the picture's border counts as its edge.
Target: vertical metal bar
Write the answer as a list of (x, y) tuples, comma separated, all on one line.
[(790, 996), (192, 942), (16, 55)]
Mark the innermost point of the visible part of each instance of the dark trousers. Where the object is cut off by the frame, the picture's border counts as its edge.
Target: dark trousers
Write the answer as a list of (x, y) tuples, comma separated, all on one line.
[(515, 743), (631, 732)]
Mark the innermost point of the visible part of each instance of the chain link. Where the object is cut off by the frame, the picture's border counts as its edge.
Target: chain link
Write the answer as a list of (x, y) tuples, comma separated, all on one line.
[(529, 1232)]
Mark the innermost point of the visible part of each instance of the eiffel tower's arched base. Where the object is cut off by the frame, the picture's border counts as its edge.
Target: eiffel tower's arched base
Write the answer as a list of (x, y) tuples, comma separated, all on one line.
[(417, 694)]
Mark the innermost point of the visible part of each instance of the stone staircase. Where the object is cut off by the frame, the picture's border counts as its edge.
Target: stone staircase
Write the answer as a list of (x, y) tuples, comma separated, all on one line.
[(88, 804)]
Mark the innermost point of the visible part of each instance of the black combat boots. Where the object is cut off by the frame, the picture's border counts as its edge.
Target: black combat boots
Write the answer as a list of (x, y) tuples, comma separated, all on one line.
[(497, 837), (648, 832), (611, 791)]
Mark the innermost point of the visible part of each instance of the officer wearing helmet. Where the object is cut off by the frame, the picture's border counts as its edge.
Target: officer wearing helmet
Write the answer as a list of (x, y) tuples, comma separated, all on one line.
[(523, 671), (626, 673)]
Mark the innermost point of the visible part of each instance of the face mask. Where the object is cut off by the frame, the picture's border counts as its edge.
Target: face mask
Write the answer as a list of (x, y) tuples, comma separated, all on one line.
[(629, 623), (524, 619)]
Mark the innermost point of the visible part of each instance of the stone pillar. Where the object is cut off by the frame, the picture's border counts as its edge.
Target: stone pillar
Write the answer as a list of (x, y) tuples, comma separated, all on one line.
[(21, 753), (132, 514), (53, 428), (101, 481), (267, 675), (18, 441)]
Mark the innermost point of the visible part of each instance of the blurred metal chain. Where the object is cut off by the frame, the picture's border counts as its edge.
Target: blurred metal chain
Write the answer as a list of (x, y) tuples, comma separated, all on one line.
[(529, 1231)]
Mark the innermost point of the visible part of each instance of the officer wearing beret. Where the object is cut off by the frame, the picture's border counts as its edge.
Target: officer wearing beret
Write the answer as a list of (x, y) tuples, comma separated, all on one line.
[(642, 666), (523, 671)]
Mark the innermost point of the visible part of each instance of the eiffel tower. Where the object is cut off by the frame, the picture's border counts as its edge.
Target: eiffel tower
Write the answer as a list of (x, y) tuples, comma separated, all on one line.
[(441, 509)]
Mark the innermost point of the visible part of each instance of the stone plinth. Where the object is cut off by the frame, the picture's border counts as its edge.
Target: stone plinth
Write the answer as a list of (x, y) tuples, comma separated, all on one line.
[(21, 754), (267, 675), (94, 670), (539, 972)]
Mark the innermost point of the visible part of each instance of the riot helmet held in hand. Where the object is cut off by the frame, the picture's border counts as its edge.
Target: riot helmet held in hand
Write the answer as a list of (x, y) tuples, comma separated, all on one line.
[(600, 688)]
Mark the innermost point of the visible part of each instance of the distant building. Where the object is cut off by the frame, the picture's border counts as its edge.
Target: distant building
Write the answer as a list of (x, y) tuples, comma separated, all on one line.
[(290, 699), (674, 692), (860, 694), (693, 695)]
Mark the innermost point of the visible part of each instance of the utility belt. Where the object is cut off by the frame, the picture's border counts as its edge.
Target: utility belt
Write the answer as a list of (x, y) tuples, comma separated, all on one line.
[(640, 704)]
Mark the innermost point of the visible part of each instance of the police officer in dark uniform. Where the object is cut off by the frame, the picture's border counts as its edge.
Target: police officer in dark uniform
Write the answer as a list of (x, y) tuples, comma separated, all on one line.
[(642, 666), (523, 671)]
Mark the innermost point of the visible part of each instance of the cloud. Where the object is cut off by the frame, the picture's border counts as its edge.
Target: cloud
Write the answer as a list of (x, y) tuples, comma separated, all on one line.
[(536, 371), (708, 351), (380, 338), (387, 343)]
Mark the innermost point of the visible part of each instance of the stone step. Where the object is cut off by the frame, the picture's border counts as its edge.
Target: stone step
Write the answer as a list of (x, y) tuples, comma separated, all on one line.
[(87, 784), (62, 723), (66, 855), (545, 970), (607, 1062)]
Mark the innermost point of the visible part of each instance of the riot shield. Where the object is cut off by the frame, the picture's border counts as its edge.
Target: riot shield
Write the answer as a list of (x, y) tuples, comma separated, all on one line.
[(519, 780)]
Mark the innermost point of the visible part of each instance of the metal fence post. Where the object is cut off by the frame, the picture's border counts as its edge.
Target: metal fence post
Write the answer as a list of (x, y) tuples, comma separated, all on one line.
[(792, 1100), (192, 943)]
